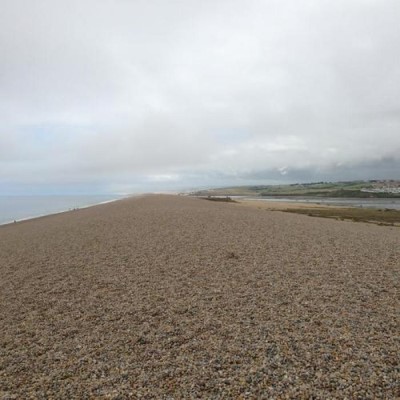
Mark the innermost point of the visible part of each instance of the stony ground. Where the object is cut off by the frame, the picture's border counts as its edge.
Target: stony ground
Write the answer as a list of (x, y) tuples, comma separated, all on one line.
[(170, 297)]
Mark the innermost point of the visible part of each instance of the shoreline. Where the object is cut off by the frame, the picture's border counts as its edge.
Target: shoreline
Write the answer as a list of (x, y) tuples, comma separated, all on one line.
[(349, 202), (352, 202), (33, 217), (278, 205), (382, 217)]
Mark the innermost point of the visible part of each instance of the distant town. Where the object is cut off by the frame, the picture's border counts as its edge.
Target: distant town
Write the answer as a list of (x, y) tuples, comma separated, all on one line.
[(389, 186)]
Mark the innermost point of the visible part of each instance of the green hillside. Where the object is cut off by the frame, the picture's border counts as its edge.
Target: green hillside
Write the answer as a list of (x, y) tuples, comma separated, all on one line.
[(355, 189)]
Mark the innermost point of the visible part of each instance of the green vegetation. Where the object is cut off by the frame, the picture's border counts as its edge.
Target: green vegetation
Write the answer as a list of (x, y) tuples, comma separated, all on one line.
[(353, 189), (223, 199), (370, 215)]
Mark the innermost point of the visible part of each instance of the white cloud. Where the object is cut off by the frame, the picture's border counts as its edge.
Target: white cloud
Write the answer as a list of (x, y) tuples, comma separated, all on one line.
[(107, 92)]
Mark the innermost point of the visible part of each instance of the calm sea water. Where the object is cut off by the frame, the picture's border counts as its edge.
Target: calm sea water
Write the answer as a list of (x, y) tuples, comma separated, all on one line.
[(23, 207), (350, 202)]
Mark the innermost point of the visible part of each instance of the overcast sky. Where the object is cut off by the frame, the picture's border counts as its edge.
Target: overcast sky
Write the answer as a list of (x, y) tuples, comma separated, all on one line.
[(127, 95)]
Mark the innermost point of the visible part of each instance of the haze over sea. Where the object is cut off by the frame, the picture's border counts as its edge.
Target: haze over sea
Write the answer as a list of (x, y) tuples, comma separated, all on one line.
[(25, 207)]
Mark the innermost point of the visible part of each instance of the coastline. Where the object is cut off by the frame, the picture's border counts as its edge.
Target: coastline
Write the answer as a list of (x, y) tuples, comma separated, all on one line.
[(68, 210)]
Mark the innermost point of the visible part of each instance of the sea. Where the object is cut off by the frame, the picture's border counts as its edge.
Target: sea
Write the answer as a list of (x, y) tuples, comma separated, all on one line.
[(17, 208)]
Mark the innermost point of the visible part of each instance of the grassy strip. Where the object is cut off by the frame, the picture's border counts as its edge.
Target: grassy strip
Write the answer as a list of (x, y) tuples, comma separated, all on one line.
[(223, 199), (370, 215)]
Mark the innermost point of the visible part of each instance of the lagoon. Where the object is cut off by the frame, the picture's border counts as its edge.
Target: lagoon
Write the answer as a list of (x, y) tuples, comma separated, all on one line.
[(392, 203)]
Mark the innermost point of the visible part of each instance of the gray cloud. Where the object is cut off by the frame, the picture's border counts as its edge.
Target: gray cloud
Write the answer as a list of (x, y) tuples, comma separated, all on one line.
[(128, 95)]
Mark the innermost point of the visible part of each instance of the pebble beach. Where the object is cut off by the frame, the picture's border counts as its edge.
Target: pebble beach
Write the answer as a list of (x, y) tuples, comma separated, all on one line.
[(172, 297)]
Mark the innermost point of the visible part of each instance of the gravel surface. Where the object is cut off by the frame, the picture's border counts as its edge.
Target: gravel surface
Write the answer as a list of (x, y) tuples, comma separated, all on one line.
[(171, 297)]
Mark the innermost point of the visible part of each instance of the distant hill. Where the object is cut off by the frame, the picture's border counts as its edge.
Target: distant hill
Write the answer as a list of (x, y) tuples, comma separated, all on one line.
[(355, 189)]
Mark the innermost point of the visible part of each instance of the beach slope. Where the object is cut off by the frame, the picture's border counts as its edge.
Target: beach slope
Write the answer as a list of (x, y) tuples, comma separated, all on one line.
[(176, 297)]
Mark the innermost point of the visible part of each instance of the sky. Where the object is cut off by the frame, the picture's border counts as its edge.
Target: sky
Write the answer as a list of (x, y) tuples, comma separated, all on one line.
[(123, 96)]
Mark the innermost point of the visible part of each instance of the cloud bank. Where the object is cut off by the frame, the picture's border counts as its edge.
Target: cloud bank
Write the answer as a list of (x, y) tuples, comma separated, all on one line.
[(129, 95)]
